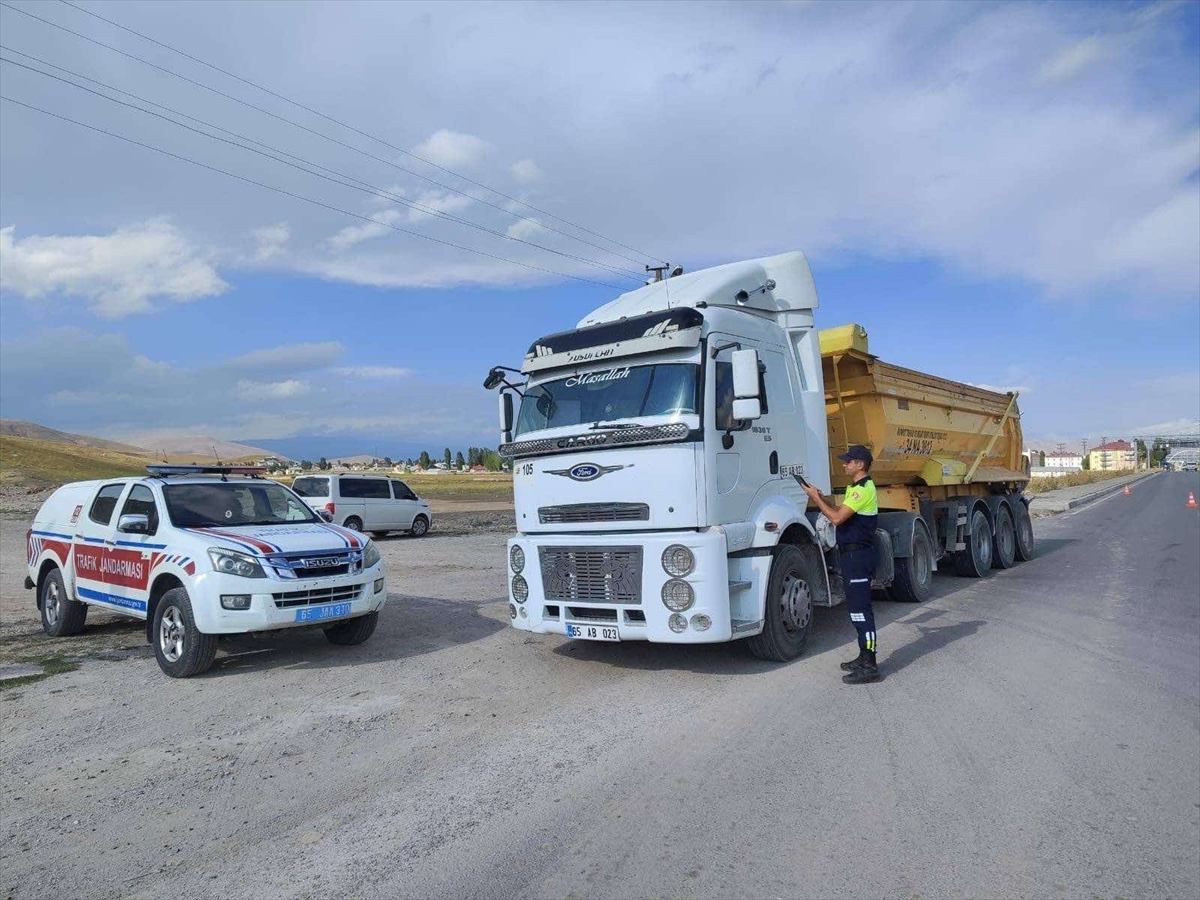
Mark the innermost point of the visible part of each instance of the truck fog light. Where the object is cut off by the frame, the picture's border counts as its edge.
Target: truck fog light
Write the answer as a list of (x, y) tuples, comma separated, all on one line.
[(235, 601), (701, 622), (523, 613), (516, 559), (677, 560), (677, 595), (378, 585), (512, 611), (520, 589), (677, 623)]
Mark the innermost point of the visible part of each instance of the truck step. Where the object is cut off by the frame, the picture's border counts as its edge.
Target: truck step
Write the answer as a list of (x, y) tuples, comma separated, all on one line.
[(746, 626), (738, 586)]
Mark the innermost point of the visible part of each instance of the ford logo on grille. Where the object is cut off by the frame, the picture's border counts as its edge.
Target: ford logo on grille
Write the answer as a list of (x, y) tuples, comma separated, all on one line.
[(322, 562), (586, 471)]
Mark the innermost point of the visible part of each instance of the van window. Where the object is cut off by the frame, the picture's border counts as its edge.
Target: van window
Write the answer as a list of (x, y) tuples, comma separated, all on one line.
[(402, 491), (366, 488), (104, 504), (311, 487), (141, 502)]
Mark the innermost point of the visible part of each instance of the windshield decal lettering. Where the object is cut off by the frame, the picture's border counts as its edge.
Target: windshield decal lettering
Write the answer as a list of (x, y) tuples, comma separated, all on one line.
[(597, 377)]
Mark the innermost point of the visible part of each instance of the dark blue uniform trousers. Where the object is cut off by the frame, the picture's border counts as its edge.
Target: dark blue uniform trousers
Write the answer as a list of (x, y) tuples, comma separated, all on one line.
[(857, 568)]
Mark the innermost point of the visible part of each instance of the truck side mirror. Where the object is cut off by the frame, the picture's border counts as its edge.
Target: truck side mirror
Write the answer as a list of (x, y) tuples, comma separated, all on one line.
[(747, 409), (506, 417), (746, 402)]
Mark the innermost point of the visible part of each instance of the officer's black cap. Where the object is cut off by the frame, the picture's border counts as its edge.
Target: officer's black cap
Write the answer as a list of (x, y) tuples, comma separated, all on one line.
[(857, 451)]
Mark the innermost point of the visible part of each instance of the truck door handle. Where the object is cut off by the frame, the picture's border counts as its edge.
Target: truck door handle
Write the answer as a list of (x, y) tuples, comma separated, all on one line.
[(773, 460)]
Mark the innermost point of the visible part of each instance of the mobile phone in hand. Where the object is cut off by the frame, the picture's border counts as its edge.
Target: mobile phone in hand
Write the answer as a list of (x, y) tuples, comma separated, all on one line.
[(800, 479)]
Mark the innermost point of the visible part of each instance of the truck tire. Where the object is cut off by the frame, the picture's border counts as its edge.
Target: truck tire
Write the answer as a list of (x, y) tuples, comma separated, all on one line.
[(352, 631), (180, 648), (794, 581), (913, 581), (61, 615), (354, 523), (1004, 552), (1023, 523), (976, 560), (420, 527)]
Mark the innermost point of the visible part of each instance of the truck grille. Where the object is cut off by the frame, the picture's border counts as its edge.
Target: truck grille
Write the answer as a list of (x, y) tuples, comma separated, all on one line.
[(592, 574), (594, 512), (318, 595)]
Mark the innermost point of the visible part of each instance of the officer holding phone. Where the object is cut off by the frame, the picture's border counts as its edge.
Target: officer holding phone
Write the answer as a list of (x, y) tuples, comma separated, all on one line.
[(855, 519)]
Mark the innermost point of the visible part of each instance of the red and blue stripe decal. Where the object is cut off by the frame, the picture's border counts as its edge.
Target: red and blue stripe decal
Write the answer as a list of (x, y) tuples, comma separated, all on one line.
[(353, 539)]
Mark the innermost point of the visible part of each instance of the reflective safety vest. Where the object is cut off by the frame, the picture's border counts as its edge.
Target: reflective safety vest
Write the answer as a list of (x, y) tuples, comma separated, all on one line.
[(860, 527)]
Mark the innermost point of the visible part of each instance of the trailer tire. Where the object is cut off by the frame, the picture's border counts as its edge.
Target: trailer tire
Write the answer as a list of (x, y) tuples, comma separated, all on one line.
[(352, 631), (61, 615), (1023, 523), (1004, 552), (182, 649), (794, 581), (913, 581), (976, 560)]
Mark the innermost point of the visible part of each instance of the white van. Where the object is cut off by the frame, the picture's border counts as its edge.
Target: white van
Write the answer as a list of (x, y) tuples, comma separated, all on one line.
[(373, 503)]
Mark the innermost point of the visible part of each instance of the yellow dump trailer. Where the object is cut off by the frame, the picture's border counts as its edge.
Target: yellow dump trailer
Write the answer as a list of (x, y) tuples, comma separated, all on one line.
[(946, 450)]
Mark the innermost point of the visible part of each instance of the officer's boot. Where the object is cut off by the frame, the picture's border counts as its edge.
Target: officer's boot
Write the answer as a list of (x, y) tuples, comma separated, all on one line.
[(865, 673), (851, 664)]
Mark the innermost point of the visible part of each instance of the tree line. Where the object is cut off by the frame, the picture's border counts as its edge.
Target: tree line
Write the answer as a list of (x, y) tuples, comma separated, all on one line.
[(475, 456)]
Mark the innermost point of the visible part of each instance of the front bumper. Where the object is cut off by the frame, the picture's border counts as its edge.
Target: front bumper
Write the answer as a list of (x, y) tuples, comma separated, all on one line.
[(646, 620), (346, 596)]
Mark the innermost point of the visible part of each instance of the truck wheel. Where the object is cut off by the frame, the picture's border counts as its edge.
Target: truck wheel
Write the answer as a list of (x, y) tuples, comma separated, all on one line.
[(795, 580), (1024, 528), (976, 559), (420, 527), (352, 631), (354, 523), (181, 649), (61, 616), (1004, 555), (914, 576)]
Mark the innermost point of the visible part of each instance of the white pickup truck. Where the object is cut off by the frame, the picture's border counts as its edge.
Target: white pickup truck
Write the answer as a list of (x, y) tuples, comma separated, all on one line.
[(198, 552)]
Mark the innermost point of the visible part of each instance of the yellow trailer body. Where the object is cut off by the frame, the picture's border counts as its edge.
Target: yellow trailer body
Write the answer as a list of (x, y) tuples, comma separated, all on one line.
[(936, 436)]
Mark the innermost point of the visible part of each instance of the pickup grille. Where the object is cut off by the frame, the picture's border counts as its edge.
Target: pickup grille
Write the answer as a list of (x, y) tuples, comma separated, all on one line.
[(592, 574), (318, 595), (328, 563), (594, 512)]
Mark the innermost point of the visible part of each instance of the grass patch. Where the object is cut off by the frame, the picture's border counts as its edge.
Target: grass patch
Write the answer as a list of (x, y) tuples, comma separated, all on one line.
[(1071, 479), (54, 664), (43, 464), (481, 487)]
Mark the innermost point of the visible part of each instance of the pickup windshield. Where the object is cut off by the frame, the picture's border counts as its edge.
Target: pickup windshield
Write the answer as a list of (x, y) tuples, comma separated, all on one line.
[(234, 503), (612, 396)]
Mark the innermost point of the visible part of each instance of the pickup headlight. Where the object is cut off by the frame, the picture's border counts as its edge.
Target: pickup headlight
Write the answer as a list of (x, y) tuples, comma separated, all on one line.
[(370, 555), (229, 562)]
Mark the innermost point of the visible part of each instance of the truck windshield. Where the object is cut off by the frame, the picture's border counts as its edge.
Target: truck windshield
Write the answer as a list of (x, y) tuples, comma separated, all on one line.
[(614, 395), (234, 503)]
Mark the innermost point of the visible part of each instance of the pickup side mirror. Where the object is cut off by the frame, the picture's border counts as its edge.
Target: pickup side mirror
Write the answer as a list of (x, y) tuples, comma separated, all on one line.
[(506, 417), (326, 515), (134, 523), (746, 401)]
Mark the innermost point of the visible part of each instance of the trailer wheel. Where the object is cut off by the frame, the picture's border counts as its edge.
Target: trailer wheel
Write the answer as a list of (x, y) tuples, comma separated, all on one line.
[(1004, 556), (1024, 528), (795, 580), (913, 581), (976, 559), (61, 616)]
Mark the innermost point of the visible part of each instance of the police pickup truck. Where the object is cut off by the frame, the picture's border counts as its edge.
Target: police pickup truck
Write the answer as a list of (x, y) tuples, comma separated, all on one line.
[(199, 552)]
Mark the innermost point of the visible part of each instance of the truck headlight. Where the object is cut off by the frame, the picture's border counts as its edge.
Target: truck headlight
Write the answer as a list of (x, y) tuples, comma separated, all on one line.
[(516, 559), (229, 562), (677, 623), (677, 595), (520, 588), (677, 560), (370, 555)]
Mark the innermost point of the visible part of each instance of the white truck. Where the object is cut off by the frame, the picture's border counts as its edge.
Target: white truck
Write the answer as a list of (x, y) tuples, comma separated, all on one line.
[(655, 450), (199, 552)]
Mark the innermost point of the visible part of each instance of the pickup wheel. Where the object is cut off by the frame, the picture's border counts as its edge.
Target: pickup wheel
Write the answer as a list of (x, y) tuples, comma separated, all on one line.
[(914, 576), (352, 631), (61, 615), (795, 580), (1024, 527), (354, 523), (420, 527), (1005, 554), (976, 559), (181, 649)]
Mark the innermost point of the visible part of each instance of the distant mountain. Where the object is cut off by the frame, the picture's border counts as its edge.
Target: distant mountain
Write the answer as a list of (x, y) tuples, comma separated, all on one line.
[(17, 428), (348, 447), (203, 445)]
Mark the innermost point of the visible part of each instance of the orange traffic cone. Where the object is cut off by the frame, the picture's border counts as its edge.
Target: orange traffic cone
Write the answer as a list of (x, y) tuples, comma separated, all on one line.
[(1191, 500), (1126, 491)]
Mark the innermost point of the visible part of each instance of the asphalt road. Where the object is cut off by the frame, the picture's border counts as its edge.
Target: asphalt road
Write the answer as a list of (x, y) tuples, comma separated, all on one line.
[(1037, 735)]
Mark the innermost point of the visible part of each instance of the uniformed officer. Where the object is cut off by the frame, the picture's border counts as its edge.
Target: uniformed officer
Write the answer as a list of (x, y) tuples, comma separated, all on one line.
[(855, 520)]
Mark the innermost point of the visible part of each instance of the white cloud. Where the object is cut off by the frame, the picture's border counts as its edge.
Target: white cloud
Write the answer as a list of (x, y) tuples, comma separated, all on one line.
[(444, 202), (526, 171), (352, 235), (271, 390), (286, 358), (526, 228), (372, 371), (270, 241), (453, 149), (117, 274), (1074, 59)]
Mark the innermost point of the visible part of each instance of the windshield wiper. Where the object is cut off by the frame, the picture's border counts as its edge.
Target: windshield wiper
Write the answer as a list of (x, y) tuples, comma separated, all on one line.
[(615, 425)]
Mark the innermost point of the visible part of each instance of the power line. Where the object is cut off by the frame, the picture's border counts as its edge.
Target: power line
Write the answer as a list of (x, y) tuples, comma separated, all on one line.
[(329, 118), (330, 138), (314, 202), (357, 184)]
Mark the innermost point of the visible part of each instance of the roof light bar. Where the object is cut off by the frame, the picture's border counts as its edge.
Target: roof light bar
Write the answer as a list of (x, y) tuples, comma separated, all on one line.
[(167, 469)]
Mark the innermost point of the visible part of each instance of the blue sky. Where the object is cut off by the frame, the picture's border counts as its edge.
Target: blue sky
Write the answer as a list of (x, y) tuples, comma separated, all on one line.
[(1003, 194)]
